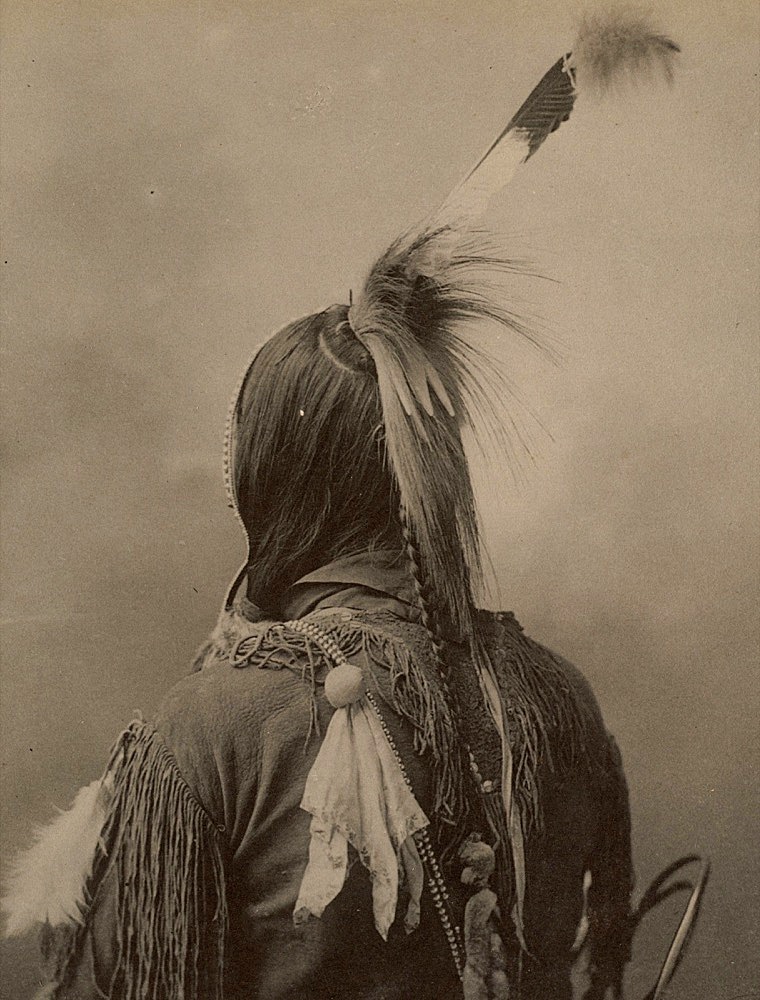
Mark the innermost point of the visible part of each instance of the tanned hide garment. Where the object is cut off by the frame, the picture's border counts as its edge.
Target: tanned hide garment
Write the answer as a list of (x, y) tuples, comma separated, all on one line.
[(205, 829)]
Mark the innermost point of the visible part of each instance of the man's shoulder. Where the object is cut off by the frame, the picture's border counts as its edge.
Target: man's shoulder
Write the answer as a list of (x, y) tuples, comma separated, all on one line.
[(526, 666), (221, 692), (242, 688), (226, 723), (232, 687)]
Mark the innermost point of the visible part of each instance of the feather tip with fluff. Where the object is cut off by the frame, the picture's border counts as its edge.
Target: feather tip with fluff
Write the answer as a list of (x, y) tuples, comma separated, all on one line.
[(616, 45)]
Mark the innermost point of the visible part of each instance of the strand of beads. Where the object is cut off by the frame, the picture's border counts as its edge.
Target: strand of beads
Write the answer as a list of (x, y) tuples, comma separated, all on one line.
[(435, 879), (344, 684), (484, 784)]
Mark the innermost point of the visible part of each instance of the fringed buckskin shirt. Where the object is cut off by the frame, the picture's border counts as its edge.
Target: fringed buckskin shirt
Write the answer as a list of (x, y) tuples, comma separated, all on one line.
[(205, 842)]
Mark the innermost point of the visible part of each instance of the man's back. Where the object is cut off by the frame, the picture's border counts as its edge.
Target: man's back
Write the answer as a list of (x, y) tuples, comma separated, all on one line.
[(235, 746)]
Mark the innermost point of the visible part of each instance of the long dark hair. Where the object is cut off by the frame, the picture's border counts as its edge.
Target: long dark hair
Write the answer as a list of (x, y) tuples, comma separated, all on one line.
[(346, 434), (348, 425), (311, 475)]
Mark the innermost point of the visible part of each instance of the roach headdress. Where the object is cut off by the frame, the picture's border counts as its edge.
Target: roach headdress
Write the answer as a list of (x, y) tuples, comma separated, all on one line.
[(415, 318), (406, 347)]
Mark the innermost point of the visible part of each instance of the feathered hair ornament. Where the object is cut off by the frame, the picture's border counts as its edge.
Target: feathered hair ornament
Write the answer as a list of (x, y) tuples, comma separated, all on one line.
[(414, 316), (407, 374), (415, 312)]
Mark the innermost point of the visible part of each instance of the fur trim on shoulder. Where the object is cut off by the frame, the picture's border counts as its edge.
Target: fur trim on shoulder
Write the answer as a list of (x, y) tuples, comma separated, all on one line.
[(46, 883)]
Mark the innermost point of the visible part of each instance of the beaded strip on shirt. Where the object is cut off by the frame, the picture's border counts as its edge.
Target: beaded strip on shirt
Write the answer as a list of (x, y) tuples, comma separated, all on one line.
[(435, 879)]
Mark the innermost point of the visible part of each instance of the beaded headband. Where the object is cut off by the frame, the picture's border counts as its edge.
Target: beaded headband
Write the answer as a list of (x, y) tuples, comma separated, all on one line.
[(230, 435)]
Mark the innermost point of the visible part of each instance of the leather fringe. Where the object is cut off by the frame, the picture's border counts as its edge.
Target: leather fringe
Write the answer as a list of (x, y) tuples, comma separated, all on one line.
[(549, 724), (415, 693), (164, 854)]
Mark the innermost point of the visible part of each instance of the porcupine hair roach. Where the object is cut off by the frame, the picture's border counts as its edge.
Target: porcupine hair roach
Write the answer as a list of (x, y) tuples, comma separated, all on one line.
[(412, 316)]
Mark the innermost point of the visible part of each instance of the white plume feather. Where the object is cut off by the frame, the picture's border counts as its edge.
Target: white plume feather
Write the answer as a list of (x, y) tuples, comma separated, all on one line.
[(46, 882)]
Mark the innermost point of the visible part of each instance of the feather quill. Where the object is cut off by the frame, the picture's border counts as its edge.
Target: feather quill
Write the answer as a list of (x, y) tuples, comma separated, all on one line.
[(47, 882)]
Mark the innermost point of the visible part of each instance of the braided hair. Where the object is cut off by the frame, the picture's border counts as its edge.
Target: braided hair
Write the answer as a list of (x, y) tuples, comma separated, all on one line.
[(312, 480)]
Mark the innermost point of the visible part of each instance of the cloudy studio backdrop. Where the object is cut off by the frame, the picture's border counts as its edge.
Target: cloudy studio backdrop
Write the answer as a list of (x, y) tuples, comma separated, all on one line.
[(180, 179)]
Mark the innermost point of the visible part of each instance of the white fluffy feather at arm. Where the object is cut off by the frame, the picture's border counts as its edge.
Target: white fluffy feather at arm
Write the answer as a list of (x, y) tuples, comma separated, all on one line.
[(46, 882)]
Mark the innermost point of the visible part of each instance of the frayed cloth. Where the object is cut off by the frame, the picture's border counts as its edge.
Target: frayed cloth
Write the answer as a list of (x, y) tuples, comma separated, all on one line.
[(550, 723), (416, 691), (356, 794)]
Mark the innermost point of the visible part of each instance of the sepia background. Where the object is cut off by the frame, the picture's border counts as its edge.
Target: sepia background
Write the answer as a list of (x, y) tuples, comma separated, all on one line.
[(182, 178)]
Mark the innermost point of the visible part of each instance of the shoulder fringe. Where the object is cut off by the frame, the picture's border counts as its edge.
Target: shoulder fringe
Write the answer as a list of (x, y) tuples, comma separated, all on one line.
[(166, 855), (550, 724), (141, 827), (416, 693)]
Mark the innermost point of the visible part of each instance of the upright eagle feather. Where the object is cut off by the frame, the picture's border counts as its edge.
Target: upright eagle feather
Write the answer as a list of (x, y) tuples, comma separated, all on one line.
[(611, 47), (444, 275)]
